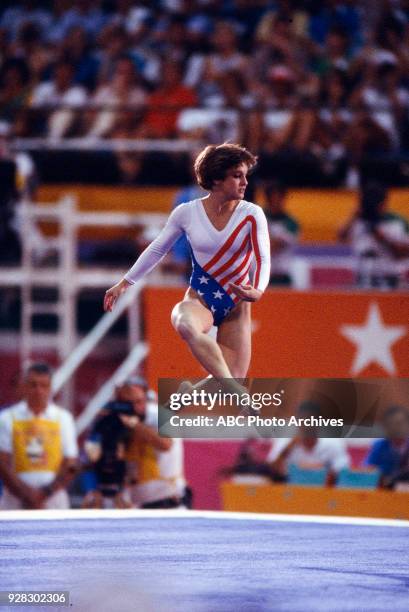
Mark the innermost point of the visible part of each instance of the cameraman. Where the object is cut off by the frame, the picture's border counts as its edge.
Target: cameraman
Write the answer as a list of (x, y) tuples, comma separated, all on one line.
[(155, 464), (379, 239), (105, 449)]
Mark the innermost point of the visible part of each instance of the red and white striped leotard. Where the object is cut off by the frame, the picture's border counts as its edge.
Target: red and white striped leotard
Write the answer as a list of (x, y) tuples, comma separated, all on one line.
[(239, 253)]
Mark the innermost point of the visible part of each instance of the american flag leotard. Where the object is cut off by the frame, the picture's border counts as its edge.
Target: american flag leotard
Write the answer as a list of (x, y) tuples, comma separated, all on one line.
[(239, 253)]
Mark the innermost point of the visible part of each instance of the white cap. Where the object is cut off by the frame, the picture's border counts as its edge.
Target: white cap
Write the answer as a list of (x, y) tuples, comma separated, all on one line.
[(5, 129)]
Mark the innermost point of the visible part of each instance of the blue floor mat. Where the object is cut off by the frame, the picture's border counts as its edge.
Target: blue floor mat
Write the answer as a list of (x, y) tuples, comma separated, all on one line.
[(207, 564)]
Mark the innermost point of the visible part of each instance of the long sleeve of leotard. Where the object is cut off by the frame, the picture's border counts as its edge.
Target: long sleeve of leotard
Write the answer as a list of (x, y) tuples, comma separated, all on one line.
[(261, 246), (158, 248)]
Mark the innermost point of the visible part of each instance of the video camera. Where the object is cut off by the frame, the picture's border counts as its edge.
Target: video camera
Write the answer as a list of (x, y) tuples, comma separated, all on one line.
[(119, 407), (112, 435)]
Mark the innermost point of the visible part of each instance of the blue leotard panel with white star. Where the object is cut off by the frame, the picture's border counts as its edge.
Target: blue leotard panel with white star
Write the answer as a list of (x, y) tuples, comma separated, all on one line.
[(239, 253)]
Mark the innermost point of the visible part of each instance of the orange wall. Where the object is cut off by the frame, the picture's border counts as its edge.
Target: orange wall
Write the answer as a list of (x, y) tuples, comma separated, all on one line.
[(295, 334), (320, 212), (326, 501), (124, 199), (104, 199)]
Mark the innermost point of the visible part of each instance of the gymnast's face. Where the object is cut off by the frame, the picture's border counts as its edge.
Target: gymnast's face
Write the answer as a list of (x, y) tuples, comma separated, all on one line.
[(234, 184)]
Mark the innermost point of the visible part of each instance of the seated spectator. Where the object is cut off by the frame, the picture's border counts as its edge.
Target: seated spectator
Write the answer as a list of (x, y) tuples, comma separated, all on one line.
[(170, 38), (155, 463), (76, 48), (165, 104), (10, 241), (284, 124), (338, 14), (29, 41), (132, 17), (129, 167), (80, 14), (14, 88), (38, 447), (333, 96), (117, 40), (113, 43), (385, 99), (276, 100), (19, 180), (17, 16), (252, 462), (225, 57), (280, 41), (391, 454), (307, 450), (211, 125), (283, 230), (280, 88), (299, 148), (366, 139), (336, 53), (125, 90), (385, 41), (227, 90), (61, 90), (379, 239)]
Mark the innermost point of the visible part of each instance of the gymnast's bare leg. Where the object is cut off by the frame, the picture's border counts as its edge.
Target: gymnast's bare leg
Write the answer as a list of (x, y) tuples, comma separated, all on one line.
[(193, 321), (227, 357), (234, 339)]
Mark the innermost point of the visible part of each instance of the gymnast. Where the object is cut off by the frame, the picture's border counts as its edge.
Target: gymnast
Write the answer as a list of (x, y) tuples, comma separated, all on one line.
[(230, 251)]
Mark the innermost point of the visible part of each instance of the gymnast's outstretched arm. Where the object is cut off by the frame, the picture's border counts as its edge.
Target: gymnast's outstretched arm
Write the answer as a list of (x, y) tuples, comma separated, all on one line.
[(150, 257)]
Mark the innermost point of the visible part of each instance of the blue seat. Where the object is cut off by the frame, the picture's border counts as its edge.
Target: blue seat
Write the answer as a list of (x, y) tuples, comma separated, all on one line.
[(306, 476), (358, 479)]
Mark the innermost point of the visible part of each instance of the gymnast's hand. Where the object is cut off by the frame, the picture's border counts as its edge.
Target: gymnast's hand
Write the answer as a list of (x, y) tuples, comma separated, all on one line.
[(248, 293), (112, 294)]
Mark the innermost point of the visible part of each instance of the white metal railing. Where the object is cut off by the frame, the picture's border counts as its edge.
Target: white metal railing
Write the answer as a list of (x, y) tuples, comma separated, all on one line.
[(84, 348), (68, 278), (87, 143), (135, 357), (301, 267), (65, 245)]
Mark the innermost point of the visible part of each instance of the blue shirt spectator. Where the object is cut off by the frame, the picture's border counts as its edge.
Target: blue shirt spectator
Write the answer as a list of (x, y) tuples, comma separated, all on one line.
[(389, 453), (340, 15), (386, 456)]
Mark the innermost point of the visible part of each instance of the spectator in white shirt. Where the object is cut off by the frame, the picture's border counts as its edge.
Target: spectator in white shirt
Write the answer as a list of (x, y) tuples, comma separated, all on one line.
[(60, 91), (124, 90), (307, 450)]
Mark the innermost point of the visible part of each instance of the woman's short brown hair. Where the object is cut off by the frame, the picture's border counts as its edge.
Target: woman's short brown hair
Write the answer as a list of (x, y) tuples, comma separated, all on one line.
[(214, 161)]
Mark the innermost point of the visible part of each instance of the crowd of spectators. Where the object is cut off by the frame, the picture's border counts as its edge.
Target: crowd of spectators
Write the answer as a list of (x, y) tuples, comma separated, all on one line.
[(320, 84)]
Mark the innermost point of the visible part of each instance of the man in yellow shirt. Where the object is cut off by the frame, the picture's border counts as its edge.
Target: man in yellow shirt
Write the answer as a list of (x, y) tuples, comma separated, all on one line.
[(38, 447)]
